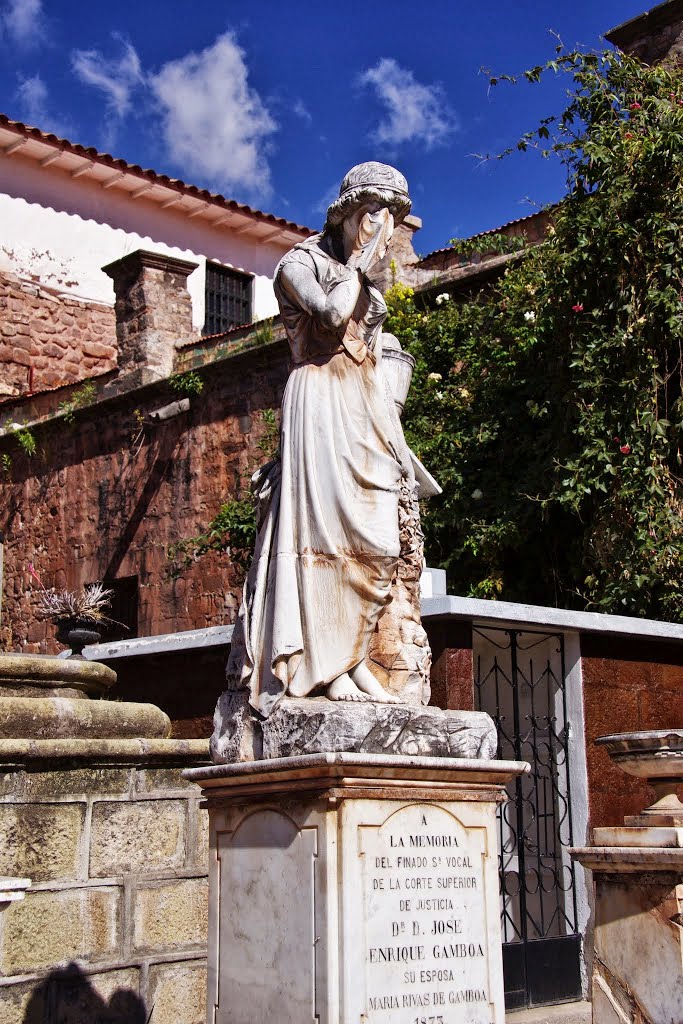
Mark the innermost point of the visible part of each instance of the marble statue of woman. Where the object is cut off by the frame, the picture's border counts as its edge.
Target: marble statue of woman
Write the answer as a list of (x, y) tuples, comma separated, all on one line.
[(328, 506)]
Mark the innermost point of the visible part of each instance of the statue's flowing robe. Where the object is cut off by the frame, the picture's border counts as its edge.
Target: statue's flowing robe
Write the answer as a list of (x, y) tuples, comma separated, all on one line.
[(328, 540)]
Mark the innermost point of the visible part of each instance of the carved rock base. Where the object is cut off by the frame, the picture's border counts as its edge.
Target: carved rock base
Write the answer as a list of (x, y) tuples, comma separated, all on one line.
[(318, 725)]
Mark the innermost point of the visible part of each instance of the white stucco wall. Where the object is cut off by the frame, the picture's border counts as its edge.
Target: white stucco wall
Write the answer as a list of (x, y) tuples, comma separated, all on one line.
[(61, 231)]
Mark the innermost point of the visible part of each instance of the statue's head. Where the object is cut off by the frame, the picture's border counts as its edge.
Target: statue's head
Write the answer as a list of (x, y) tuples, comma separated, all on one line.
[(371, 182)]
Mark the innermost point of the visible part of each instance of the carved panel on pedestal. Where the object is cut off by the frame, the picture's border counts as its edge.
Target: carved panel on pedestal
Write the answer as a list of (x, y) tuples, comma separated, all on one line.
[(267, 965)]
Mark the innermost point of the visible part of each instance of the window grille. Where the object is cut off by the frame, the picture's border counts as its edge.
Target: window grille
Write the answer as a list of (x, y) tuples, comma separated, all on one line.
[(228, 299)]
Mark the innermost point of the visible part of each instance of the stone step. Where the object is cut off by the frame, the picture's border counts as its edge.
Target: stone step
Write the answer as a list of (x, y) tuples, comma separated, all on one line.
[(578, 1012)]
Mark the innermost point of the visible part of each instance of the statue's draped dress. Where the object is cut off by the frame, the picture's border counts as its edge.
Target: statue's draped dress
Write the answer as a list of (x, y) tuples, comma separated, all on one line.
[(328, 540)]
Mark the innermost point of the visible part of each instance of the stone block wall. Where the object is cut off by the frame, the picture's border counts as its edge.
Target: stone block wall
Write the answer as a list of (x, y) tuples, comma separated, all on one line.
[(107, 496), (115, 920), (48, 339)]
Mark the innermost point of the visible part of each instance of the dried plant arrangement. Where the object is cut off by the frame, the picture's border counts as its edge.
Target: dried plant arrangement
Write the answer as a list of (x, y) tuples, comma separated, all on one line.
[(87, 604)]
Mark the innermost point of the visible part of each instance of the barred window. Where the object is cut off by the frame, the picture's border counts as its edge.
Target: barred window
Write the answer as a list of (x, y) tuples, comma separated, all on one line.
[(228, 299)]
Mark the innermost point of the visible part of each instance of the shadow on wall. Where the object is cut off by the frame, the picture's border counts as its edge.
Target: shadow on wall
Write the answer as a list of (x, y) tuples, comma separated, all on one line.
[(67, 996)]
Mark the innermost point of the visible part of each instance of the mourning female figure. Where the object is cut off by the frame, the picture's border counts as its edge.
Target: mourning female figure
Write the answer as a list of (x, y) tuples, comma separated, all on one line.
[(328, 506)]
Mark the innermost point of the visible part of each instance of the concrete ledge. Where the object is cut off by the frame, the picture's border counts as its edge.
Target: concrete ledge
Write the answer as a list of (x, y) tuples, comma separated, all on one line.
[(434, 606), (164, 643), (579, 1012), (112, 751), (501, 613), (626, 859)]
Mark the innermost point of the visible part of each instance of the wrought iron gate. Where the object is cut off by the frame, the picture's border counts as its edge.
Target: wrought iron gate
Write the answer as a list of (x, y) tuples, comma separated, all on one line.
[(520, 681)]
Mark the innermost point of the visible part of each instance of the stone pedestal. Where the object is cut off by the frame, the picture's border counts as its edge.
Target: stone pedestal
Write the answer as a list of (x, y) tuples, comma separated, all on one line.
[(638, 960), (349, 888), (638, 875)]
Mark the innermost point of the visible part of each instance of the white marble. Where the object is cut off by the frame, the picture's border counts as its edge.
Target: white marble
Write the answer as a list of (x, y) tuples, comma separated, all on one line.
[(13, 889), (638, 897), (427, 926), (355, 888)]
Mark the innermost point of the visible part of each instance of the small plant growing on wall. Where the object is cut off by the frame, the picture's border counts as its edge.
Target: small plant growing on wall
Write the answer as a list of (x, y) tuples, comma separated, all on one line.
[(26, 441), (189, 383), (233, 529), (263, 334), (79, 400)]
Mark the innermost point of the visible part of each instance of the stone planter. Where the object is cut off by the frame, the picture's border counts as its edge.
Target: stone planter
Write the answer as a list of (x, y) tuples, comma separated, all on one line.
[(45, 698)]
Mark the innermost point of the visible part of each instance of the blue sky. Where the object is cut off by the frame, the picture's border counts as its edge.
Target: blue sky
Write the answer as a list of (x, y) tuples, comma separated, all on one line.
[(270, 102)]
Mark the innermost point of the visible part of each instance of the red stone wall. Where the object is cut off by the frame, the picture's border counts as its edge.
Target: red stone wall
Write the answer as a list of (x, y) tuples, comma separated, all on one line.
[(101, 500), (61, 340), (628, 686), (452, 675)]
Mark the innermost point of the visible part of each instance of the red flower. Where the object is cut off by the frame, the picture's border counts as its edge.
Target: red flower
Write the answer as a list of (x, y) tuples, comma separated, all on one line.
[(628, 135), (636, 106), (616, 439), (578, 308), (625, 449)]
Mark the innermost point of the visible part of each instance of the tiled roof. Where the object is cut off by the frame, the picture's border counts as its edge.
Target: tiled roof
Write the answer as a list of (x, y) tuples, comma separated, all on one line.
[(44, 389), (661, 16), (490, 231), (148, 175)]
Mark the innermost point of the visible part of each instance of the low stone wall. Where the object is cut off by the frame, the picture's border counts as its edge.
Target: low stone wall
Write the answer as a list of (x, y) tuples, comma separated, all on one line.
[(114, 924)]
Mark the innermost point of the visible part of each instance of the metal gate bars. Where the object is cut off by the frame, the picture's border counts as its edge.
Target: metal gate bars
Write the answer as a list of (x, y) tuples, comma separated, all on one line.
[(520, 681)]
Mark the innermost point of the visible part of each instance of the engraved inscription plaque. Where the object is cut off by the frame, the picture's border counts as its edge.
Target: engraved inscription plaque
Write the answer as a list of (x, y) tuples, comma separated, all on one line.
[(425, 911)]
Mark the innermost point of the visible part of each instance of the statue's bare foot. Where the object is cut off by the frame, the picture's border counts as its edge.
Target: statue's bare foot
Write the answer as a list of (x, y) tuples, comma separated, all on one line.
[(344, 688), (366, 682)]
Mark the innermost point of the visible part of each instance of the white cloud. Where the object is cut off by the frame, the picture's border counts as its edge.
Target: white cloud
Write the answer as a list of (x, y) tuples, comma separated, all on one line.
[(324, 202), (34, 106), (24, 22), (117, 78), (414, 112), (299, 109), (215, 124), (32, 96)]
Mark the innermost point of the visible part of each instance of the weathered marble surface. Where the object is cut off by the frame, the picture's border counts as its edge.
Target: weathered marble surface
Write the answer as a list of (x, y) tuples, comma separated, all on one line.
[(318, 725), (47, 718), (638, 962), (638, 876), (399, 651), (347, 888)]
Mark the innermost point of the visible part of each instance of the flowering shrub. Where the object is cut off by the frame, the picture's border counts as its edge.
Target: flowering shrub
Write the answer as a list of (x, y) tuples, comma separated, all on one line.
[(557, 436)]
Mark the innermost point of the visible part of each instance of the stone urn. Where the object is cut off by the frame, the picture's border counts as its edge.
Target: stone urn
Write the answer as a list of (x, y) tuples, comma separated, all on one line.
[(398, 367), (657, 757), (76, 633)]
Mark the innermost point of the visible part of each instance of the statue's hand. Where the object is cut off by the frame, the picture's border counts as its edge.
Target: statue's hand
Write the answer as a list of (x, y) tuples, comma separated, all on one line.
[(374, 234)]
